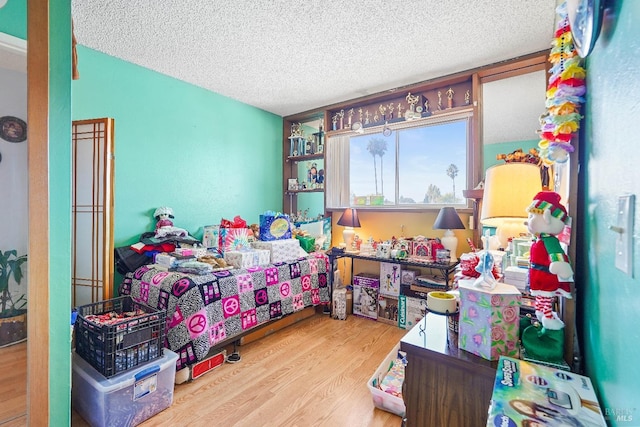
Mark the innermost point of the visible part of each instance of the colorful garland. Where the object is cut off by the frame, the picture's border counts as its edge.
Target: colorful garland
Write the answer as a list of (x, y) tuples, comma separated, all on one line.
[(565, 93)]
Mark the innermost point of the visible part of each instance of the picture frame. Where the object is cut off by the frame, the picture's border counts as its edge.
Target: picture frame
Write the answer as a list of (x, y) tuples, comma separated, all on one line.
[(293, 184), (13, 129)]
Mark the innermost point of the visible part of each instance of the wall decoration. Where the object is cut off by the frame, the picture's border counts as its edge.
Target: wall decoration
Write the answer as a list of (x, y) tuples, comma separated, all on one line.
[(13, 129)]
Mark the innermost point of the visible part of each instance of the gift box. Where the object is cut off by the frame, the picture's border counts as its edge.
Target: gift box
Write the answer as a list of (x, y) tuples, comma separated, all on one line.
[(390, 274), (274, 226), (235, 239), (247, 258), (308, 243), (489, 320), (281, 250), (165, 260), (365, 295)]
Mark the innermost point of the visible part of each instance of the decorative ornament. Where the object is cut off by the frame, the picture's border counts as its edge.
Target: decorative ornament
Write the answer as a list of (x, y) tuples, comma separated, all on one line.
[(13, 129), (565, 93)]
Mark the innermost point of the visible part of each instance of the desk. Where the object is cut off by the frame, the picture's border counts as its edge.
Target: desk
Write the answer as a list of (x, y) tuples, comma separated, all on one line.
[(444, 386), (446, 269)]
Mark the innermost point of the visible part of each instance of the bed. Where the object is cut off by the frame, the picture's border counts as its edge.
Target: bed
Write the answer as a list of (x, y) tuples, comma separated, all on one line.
[(207, 312)]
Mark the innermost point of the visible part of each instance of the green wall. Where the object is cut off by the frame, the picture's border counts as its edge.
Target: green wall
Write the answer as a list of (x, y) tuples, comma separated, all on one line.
[(204, 155), (609, 300)]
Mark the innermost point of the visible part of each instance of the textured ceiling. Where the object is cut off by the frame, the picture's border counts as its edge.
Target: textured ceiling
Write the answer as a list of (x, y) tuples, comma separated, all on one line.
[(292, 56)]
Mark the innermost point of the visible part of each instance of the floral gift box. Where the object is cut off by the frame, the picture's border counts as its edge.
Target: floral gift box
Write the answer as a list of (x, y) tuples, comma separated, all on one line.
[(489, 320)]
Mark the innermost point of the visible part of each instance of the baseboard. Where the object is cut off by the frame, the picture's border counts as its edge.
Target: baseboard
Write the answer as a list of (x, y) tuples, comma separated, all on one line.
[(278, 324)]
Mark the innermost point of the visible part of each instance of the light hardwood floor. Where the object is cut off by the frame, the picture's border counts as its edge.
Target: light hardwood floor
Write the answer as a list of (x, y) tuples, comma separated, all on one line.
[(313, 373), (13, 387)]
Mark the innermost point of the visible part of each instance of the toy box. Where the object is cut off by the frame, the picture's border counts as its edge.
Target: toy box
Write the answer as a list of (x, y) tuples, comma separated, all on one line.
[(126, 399), (388, 310), (365, 295), (489, 320), (526, 391), (382, 400), (390, 274)]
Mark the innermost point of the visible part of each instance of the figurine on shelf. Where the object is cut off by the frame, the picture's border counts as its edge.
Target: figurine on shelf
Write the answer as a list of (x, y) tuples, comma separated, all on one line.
[(439, 100), (450, 98), (550, 275), (164, 225)]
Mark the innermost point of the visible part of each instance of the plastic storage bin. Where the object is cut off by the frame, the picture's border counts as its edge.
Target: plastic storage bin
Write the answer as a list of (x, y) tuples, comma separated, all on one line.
[(126, 399), (116, 348), (385, 401)]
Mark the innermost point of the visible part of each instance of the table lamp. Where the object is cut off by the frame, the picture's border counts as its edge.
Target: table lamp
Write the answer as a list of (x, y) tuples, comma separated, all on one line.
[(449, 220), (349, 220), (508, 191)]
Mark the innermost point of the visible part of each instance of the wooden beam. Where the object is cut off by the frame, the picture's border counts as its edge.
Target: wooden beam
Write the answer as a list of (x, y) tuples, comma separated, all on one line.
[(38, 163)]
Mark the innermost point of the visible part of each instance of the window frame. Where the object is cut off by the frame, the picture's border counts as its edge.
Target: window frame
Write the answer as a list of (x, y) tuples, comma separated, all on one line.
[(338, 196)]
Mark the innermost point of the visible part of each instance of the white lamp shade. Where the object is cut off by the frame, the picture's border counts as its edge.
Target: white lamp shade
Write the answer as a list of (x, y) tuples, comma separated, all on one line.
[(508, 190)]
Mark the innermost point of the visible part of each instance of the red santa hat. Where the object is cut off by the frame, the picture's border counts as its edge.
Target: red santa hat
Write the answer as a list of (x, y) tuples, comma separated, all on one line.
[(548, 200)]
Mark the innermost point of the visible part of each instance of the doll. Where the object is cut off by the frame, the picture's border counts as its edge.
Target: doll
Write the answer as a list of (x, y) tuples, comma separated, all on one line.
[(550, 275), (164, 225)]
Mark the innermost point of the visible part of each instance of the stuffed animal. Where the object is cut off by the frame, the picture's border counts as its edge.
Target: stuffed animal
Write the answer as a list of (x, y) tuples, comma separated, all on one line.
[(550, 275)]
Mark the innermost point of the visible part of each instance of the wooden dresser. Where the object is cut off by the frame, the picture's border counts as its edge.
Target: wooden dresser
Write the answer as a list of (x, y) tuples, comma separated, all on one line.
[(444, 386)]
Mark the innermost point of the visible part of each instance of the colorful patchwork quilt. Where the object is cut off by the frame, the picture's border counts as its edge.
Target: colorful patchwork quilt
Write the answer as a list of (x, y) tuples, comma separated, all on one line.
[(205, 310)]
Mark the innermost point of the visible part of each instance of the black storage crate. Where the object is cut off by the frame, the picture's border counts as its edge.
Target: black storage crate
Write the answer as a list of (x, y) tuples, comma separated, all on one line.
[(113, 349)]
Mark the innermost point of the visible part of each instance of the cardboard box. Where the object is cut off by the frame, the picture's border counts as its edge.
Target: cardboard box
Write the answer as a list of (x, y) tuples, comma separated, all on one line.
[(408, 276), (247, 258), (281, 250), (557, 396), (410, 311), (390, 274), (125, 399), (489, 320), (388, 310), (382, 400), (365, 295)]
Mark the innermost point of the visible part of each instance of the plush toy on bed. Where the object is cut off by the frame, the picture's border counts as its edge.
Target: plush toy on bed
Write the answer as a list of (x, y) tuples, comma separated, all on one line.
[(550, 275), (164, 225)]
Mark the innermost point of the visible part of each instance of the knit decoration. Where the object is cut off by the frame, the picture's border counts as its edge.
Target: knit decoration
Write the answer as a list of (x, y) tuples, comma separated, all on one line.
[(565, 93)]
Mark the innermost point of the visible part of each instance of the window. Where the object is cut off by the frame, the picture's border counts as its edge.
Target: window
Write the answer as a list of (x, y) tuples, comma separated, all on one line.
[(421, 164)]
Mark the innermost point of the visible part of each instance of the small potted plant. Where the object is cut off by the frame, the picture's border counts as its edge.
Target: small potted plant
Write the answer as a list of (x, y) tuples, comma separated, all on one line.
[(13, 312)]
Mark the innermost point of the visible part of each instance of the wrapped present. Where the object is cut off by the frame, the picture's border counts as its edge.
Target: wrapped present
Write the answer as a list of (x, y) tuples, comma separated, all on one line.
[(281, 250), (274, 226), (390, 274), (247, 258), (308, 243), (489, 320)]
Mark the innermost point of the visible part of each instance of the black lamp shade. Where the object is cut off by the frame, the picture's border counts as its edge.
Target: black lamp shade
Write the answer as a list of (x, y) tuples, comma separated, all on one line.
[(447, 219), (349, 218)]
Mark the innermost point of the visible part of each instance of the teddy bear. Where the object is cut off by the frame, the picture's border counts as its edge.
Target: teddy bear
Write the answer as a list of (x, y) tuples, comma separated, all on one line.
[(550, 275)]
